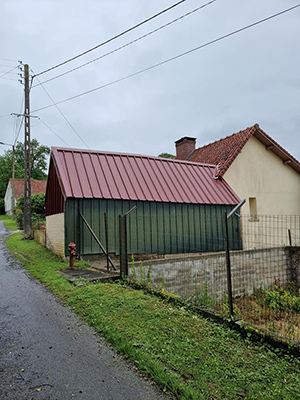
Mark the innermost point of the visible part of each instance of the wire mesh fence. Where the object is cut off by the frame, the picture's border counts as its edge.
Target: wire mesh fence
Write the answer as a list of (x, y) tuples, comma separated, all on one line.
[(265, 274)]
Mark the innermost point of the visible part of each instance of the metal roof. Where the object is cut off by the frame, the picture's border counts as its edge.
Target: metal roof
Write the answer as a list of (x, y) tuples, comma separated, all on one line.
[(107, 175)]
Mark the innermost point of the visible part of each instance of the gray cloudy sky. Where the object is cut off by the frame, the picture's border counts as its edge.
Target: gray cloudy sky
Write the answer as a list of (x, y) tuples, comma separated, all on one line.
[(252, 77)]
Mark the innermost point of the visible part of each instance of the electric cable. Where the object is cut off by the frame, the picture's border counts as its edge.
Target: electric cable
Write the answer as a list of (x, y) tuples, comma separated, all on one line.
[(9, 59), (62, 114), (113, 38), (129, 43), (43, 122), (9, 71), (3, 65), (17, 135), (173, 58)]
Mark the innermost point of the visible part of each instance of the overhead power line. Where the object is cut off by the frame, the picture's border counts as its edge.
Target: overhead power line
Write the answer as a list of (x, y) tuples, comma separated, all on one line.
[(47, 126), (8, 72), (64, 117), (3, 65), (8, 59), (19, 130), (174, 58), (114, 37), (129, 43), (21, 123)]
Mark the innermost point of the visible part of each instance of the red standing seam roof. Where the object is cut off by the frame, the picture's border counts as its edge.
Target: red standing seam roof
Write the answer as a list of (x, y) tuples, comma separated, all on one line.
[(109, 175)]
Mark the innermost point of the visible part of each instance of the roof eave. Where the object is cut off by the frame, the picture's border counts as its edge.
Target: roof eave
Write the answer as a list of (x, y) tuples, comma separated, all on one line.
[(275, 148)]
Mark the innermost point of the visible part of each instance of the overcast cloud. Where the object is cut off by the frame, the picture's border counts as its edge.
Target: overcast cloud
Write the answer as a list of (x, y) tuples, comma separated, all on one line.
[(252, 77)]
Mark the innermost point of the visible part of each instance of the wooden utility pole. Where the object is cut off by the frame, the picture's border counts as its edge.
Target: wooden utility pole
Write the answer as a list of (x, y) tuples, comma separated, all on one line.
[(27, 176)]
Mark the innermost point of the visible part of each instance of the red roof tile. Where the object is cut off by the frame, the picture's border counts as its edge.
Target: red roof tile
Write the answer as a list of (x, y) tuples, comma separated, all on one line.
[(224, 151), (98, 174), (36, 187)]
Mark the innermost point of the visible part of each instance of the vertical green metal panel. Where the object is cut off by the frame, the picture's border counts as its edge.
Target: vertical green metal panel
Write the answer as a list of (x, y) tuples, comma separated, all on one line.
[(186, 220), (192, 229), (147, 227), (160, 228), (167, 227), (173, 237), (163, 228), (153, 224)]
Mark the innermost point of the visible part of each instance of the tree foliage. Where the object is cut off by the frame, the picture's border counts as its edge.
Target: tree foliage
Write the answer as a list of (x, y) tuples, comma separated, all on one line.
[(38, 160), (166, 155)]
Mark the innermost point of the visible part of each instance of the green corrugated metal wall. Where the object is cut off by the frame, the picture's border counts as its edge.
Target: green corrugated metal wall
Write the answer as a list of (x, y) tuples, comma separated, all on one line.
[(162, 228)]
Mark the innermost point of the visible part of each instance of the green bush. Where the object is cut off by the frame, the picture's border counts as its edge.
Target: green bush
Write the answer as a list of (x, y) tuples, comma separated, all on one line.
[(2, 209), (19, 217), (37, 204)]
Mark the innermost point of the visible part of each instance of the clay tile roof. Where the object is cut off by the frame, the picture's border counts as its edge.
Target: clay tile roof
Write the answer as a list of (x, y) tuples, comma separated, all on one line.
[(36, 187), (224, 151)]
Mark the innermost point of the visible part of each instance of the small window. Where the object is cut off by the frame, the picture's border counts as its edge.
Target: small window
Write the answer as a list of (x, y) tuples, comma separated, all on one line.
[(253, 209)]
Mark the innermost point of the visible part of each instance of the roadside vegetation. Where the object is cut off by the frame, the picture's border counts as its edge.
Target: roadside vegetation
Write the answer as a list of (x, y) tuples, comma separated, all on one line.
[(276, 309), (9, 223), (187, 355)]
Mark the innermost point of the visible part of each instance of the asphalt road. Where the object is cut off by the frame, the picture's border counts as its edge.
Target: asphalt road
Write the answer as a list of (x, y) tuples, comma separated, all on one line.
[(47, 352)]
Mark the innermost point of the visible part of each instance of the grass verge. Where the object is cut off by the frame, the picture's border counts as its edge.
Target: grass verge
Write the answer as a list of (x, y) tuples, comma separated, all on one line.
[(9, 223), (187, 355)]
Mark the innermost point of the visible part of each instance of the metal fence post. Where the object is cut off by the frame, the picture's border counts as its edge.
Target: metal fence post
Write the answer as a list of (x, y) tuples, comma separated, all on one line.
[(123, 246), (106, 239), (78, 229), (228, 266), (290, 237)]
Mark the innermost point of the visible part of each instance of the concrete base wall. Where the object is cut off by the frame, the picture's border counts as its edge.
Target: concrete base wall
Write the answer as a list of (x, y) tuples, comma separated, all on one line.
[(40, 237), (250, 270), (55, 234)]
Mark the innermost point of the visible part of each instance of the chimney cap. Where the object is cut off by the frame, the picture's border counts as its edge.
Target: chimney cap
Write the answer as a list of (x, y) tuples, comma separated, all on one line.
[(185, 137)]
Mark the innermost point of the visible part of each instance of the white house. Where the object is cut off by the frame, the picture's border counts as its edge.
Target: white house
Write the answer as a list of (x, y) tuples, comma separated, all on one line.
[(10, 200)]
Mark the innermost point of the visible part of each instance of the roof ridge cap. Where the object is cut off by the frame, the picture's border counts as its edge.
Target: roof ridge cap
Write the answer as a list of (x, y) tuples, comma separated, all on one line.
[(255, 126), (120, 154)]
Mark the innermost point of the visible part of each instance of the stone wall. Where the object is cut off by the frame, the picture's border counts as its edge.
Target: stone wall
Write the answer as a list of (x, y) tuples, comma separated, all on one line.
[(55, 234), (250, 270)]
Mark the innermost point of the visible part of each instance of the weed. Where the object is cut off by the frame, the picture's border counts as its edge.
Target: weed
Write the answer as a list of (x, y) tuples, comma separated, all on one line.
[(133, 268), (149, 274), (163, 282)]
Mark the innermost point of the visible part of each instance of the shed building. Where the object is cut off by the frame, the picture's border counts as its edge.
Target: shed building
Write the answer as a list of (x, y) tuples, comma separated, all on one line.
[(180, 206)]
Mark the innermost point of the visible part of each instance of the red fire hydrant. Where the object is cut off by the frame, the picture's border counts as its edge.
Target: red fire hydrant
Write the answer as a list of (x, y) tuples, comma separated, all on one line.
[(72, 251)]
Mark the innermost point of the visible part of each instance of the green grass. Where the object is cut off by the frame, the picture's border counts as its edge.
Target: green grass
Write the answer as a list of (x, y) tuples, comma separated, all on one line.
[(9, 222), (186, 354)]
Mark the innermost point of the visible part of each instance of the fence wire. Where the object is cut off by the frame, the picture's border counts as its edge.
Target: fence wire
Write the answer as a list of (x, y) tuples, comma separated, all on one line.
[(265, 274)]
